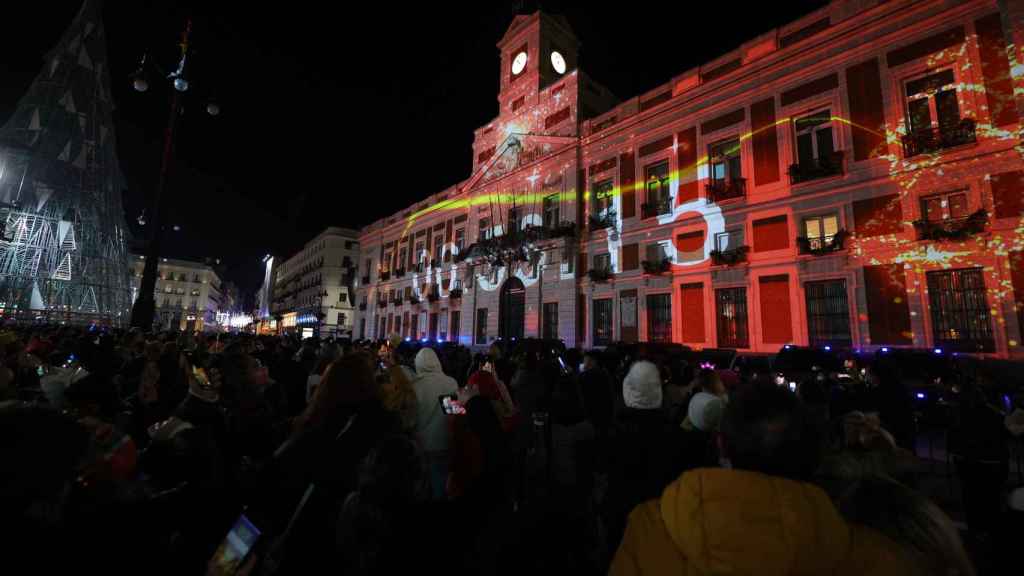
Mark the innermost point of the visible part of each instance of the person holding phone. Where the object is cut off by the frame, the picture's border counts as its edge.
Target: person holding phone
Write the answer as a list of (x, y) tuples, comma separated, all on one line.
[(431, 422)]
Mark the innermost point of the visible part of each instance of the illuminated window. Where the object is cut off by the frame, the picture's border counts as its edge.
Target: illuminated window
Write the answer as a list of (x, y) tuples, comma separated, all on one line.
[(814, 141), (959, 310), (820, 230), (729, 240), (951, 205), (724, 161), (659, 317), (485, 229), (385, 263), (603, 262), (603, 205), (732, 317), (658, 200), (551, 212), (602, 322)]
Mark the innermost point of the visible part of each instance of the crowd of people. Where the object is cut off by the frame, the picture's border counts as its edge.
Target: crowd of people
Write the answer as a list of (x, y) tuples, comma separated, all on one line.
[(139, 452)]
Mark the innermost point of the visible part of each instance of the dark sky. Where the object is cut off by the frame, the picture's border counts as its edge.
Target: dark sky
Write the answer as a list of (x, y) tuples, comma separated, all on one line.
[(340, 117)]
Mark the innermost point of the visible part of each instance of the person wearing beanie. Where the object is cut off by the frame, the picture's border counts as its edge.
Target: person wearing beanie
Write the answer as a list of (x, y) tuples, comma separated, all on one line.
[(641, 454)]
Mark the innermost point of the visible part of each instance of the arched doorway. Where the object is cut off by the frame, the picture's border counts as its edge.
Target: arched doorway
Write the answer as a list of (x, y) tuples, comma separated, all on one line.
[(512, 311)]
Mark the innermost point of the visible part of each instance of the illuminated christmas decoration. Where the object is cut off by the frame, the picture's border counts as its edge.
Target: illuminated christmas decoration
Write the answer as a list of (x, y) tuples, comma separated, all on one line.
[(64, 246)]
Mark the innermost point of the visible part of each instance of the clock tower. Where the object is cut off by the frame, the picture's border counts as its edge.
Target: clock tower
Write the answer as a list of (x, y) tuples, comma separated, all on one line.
[(537, 50)]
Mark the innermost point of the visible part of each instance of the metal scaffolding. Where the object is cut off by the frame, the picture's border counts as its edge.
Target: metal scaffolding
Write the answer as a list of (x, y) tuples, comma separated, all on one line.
[(63, 254)]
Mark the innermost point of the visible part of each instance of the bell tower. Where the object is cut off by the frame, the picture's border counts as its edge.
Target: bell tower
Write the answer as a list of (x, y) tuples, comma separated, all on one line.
[(536, 50)]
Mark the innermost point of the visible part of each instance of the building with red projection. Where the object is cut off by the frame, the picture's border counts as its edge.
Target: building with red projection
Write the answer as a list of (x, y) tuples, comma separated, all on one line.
[(852, 179)]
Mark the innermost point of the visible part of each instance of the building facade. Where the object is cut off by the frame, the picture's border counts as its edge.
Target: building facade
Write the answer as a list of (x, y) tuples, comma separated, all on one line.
[(188, 294), (852, 179), (311, 292)]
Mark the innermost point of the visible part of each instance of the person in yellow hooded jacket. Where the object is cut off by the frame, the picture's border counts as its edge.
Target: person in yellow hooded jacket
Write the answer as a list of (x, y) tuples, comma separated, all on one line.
[(758, 516)]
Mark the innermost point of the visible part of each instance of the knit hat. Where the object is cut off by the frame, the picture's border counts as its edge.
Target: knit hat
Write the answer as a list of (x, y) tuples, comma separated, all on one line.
[(641, 388)]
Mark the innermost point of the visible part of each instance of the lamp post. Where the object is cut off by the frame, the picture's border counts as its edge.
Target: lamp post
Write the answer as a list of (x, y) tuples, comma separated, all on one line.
[(144, 308)]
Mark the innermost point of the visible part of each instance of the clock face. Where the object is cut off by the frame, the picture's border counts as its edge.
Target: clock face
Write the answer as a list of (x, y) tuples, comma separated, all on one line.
[(558, 62), (519, 63)]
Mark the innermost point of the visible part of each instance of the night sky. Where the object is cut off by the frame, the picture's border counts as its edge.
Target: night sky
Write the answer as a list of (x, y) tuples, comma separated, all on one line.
[(339, 117)]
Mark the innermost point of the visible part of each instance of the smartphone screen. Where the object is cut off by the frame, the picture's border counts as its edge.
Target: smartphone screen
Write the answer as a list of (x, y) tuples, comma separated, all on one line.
[(792, 386), (451, 405), (235, 548)]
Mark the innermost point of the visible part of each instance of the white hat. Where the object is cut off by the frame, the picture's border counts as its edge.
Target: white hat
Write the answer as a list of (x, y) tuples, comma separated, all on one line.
[(641, 388)]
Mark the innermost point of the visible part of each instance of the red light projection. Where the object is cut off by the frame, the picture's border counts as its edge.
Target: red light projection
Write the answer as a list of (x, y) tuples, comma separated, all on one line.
[(902, 204)]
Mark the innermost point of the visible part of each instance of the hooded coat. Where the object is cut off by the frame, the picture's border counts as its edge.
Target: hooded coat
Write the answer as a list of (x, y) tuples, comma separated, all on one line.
[(719, 521), (431, 382)]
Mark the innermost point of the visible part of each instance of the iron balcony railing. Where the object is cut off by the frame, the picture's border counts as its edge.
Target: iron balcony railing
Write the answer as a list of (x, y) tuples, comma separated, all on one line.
[(815, 168), (721, 190), (935, 139)]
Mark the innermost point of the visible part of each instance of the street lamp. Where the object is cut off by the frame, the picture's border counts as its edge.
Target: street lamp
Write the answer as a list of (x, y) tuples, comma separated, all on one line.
[(144, 307)]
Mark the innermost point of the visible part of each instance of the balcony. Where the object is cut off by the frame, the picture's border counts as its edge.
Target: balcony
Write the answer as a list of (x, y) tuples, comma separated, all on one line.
[(602, 221), (657, 208), (435, 263), (364, 280), (418, 268), (382, 303), (731, 257), (385, 276), (433, 296), (656, 267), (455, 293), (952, 228), (930, 140), (600, 274), (413, 299), (822, 245), (399, 272), (721, 190), (830, 165)]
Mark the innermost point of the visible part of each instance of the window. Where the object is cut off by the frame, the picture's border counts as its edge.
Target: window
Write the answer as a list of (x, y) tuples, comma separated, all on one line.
[(814, 141), (959, 310), (438, 247), (385, 263), (828, 314), (933, 115), (729, 240), (551, 212), (603, 262), (485, 229), (550, 326), (442, 325), (931, 102), (403, 255), (656, 252), (602, 322), (659, 317), (460, 240), (456, 324), (951, 205), (732, 317), (724, 161), (659, 199), (513, 221), (369, 266), (168, 290), (481, 326), (413, 321), (820, 230), (432, 326), (420, 253), (405, 324), (349, 244), (603, 206)]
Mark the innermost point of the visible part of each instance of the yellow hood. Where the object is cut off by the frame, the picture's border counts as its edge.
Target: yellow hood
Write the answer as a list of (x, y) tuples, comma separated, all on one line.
[(717, 521)]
